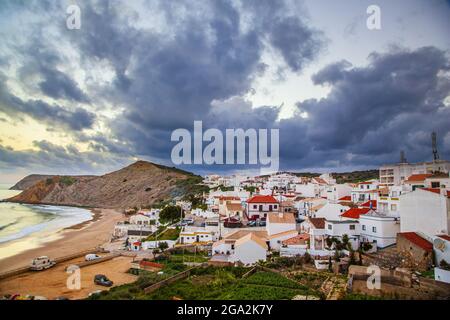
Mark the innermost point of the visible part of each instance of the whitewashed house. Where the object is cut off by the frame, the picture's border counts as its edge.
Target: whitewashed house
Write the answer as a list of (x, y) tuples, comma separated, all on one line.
[(331, 211), (141, 219), (259, 206), (250, 249), (278, 222), (379, 229), (365, 191), (338, 229), (334, 192), (426, 211)]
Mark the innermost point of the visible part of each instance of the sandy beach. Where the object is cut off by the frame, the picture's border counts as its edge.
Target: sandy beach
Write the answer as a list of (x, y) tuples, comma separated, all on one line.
[(71, 240)]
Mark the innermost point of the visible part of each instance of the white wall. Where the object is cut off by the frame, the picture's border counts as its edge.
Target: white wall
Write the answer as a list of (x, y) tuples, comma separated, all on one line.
[(331, 211), (385, 233), (425, 212), (249, 252), (306, 190), (441, 275)]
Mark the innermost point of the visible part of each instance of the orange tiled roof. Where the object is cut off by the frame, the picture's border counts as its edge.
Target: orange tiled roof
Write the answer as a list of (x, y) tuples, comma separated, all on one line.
[(275, 217), (444, 236), (417, 240), (346, 198), (434, 190), (354, 213), (367, 204), (262, 199), (418, 177), (298, 239), (318, 223)]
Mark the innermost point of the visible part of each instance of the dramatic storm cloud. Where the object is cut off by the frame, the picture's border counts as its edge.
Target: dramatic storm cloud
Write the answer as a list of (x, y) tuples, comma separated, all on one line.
[(92, 99)]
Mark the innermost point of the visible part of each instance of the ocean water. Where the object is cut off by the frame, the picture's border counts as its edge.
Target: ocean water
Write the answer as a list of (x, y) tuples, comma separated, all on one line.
[(24, 227)]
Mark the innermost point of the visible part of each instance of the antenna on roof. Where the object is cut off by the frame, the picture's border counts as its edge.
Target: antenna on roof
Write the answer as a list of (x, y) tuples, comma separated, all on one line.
[(434, 146), (402, 157)]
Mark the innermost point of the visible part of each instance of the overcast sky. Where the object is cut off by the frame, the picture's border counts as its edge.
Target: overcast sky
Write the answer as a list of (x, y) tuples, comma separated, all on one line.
[(344, 97)]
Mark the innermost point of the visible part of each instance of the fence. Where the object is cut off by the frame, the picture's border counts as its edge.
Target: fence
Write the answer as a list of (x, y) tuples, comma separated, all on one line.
[(163, 283)]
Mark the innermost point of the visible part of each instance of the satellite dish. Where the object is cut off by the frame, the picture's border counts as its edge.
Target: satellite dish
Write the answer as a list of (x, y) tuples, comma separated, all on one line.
[(440, 244)]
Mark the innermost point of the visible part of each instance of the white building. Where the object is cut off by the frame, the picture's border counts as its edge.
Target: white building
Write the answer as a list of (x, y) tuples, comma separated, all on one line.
[(335, 192), (194, 235), (426, 211), (365, 191), (379, 229), (395, 174), (280, 222), (331, 211), (249, 249), (141, 219), (338, 229), (259, 206)]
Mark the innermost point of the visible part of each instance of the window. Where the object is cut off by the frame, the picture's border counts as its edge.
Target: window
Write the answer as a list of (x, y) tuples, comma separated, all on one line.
[(435, 184), (255, 206), (330, 227), (260, 207), (270, 207), (393, 207), (352, 227), (364, 227), (275, 206), (374, 229)]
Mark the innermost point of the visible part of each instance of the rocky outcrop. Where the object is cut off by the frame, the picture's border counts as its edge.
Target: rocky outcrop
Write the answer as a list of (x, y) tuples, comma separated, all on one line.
[(140, 184)]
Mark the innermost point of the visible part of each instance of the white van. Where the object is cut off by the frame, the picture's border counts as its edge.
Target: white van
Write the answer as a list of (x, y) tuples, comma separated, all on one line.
[(91, 257), (42, 263)]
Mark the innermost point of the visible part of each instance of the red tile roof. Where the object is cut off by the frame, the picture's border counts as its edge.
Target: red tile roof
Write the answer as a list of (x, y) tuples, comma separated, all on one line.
[(444, 236), (418, 177), (299, 239), (417, 240), (262, 199), (354, 213), (434, 190), (318, 223), (367, 204), (346, 198)]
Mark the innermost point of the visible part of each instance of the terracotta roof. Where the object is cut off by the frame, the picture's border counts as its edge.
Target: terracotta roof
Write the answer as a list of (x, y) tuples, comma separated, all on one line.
[(251, 237), (367, 204), (285, 233), (448, 194), (320, 180), (234, 206), (262, 199), (241, 233), (318, 223), (227, 197), (434, 190), (417, 240), (418, 177), (354, 213), (346, 198), (274, 217), (365, 182), (298, 239), (444, 236)]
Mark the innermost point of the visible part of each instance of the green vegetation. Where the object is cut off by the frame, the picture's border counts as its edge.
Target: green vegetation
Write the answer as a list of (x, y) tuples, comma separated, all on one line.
[(209, 283), (134, 290), (67, 180), (355, 176), (226, 283), (311, 280), (250, 189), (170, 214), (198, 257), (167, 234)]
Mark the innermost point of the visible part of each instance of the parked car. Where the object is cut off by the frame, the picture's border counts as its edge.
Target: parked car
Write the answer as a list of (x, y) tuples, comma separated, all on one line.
[(91, 257), (42, 263), (102, 280)]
